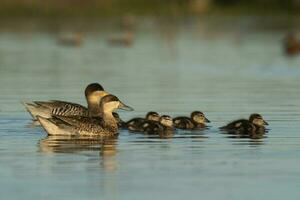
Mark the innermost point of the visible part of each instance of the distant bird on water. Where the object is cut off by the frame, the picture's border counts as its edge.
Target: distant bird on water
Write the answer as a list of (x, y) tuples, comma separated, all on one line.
[(123, 39), (291, 45)]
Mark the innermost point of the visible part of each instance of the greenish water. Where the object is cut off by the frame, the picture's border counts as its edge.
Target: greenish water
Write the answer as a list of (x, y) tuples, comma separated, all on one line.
[(226, 70)]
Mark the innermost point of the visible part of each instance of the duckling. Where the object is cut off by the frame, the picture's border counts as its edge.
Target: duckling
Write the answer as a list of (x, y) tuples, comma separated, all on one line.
[(121, 123), (255, 125), (135, 124), (107, 125), (163, 127), (197, 120), (292, 45), (93, 93)]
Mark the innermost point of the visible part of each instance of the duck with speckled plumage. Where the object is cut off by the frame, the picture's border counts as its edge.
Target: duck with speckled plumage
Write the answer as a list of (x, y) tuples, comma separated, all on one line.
[(47, 109), (106, 125)]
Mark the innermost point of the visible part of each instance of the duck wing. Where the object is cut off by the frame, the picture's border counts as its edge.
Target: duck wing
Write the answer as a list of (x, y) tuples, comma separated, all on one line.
[(63, 108), (152, 127), (135, 124), (235, 124), (183, 123)]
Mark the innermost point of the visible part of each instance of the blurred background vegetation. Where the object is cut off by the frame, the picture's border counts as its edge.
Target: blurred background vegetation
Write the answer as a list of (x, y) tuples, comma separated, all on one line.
[(107, 8)]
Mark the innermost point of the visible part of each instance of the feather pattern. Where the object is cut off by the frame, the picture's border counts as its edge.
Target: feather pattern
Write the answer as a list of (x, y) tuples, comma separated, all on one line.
[(183, 123), (78, 125), (57, 108), (243, 127)]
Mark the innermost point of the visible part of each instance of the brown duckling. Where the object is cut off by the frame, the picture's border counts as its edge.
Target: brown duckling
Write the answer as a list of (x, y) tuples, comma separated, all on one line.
[(197, 120), (120, 122), (254, 125), (163, 127), (135, 124)]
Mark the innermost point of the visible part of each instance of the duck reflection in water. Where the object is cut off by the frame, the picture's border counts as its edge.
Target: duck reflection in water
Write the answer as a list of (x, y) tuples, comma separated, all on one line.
[(76, 144)]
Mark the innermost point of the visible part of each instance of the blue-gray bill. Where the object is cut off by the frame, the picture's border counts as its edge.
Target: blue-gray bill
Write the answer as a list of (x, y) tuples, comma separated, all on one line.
[(122, 106)]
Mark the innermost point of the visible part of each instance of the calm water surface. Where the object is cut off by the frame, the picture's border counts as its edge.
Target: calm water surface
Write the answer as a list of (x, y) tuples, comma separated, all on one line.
[(226, 73)]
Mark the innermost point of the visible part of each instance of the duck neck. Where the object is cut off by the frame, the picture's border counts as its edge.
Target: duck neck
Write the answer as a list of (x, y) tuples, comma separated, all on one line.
[(168, 128), (109, 122), (198, 124), (94, 109)]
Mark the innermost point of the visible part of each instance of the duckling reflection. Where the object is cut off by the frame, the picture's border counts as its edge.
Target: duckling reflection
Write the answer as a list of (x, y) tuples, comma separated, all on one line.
[(71, 144), (254, 137), (254, 126)]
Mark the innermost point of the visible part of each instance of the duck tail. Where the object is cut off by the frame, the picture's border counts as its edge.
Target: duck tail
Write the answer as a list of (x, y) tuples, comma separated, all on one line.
[(49, 127), (36, 110), (54, 126)]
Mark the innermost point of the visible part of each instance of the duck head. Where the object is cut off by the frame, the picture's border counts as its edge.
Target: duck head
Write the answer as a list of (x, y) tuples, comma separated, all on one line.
[(257, 119), (109, 103), (94, 92), (199, 117), (166, 121), (153, 116)]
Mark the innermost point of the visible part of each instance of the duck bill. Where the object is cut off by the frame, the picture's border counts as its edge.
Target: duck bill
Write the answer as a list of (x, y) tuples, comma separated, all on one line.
[(103, 93), (266, 123), (122, 106), (206, 120)]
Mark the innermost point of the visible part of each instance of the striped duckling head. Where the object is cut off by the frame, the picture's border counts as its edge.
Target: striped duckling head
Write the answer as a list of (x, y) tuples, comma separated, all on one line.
[(153, 116), (166, 121), (257, 120), (199, 117)]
